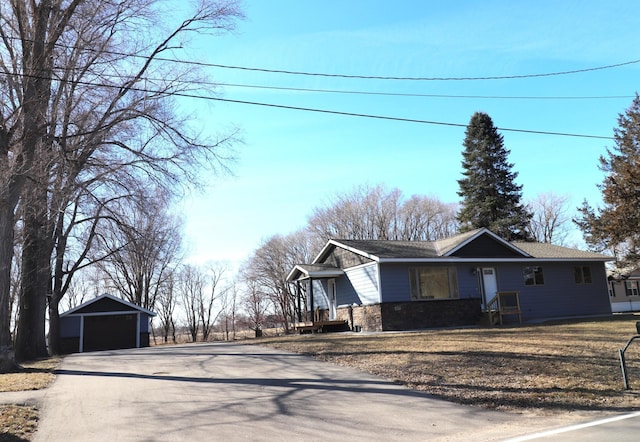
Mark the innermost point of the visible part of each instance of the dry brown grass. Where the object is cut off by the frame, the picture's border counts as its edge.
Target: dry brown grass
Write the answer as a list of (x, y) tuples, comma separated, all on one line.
[(34, 375), (18, 422), (551, 367)]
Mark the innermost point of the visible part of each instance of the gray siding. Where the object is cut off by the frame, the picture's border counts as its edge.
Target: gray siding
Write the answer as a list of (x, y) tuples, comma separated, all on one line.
[(144, 323), (70, 327), (559, 295), (320, 298), (358, 286)]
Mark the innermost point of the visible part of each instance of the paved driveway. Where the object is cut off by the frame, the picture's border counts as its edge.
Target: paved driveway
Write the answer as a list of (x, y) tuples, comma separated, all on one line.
[(240, 392)]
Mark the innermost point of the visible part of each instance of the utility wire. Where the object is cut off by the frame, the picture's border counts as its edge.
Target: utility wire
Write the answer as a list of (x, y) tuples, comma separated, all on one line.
[(366, 77), (401, 94), (306, 109), (373, 77), (408, 120), (373, 93)]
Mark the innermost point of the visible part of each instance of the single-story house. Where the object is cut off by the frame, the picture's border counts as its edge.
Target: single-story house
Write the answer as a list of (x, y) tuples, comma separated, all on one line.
[(624, 290), (104, 323), (402, 285)]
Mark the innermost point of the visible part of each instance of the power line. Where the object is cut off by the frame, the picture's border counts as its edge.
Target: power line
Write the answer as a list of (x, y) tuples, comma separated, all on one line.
[(373, 93), (360, 76), (373, 77), (407, 120), (401, 94), (306, 109)]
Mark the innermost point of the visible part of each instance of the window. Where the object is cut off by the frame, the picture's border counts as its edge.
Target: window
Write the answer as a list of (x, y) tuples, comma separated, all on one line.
[(533, 276), (433, 283), (631, 287), (582, 274)]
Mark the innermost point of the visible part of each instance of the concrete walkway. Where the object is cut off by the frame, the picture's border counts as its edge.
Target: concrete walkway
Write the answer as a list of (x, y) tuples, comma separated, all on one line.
[(240, 392)]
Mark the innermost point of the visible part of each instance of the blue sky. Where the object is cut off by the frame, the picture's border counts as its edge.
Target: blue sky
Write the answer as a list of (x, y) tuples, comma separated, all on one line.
[(293, 161)]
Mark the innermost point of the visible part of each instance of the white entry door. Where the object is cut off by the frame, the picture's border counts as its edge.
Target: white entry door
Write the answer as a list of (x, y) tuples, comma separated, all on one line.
[(331, 287), (489, 284)]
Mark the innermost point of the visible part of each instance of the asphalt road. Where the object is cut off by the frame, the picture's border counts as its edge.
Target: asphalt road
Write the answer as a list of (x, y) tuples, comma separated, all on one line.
[(211, 392)]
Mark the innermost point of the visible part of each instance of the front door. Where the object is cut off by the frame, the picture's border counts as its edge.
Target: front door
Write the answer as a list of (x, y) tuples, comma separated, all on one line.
[(489, 285), (331, 286)]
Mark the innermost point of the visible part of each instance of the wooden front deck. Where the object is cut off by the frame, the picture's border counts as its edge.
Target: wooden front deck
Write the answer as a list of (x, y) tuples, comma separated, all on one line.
[(321, 326)]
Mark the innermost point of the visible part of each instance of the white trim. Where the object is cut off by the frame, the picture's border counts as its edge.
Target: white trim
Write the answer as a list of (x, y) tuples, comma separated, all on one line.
[(111, 313), (484, 260), (576, 427), (333, 242), (328, 273), (81, 344), (113, 298), (138, 330)]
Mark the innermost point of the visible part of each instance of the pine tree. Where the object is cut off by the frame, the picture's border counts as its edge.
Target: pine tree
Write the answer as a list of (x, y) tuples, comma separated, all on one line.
[(491, 198), (616, 225)]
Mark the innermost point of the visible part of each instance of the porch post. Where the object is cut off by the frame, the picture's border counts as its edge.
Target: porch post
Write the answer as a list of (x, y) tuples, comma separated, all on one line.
[(311, 298), (298, 296)]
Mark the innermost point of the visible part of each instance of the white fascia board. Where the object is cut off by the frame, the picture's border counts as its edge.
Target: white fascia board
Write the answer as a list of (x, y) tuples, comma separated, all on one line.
[(113, 313), (333, 242), (326, 273), (314, 273), (329, 243), (106, 295), (492, 260), (297, 268)]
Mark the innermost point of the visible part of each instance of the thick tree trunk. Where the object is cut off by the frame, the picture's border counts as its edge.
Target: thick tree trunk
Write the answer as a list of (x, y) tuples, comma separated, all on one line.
[(7, 359), (35, 281), (55, 348)]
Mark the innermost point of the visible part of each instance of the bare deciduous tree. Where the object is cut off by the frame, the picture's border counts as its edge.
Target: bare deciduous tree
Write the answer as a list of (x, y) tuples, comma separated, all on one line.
[(551, 221), (84, 81), (207, 305), (256, 305), (141, 250), (375, 213), (166, 308), (191, 286), (268, 267), (229, 312)]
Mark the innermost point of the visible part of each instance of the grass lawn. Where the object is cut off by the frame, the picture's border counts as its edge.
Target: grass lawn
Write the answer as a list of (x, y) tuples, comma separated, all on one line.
[(19, 422), (545, 368)]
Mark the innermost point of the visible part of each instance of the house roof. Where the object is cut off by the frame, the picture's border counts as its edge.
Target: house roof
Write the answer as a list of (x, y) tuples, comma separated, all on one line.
[(548, 251), (389, 250), (75, 310), (304, 271)]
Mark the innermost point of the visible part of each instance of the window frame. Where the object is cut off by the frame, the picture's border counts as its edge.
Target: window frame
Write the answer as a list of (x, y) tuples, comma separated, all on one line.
[(416, 284), (631, 287), (582, 277), (538, 276)]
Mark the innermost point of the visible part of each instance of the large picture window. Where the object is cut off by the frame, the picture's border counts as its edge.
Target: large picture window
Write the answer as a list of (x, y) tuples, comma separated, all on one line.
[(433, 283), (533, 276)]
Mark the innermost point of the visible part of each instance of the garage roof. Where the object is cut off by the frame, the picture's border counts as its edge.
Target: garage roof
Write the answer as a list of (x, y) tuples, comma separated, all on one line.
[(108, 300)]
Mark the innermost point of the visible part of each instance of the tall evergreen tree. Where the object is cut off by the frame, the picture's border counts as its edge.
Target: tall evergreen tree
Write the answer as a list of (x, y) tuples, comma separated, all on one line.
[(616, 226), (490, 196)]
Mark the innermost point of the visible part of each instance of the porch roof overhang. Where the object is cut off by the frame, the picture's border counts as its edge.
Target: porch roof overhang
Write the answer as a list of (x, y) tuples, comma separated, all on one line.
[(307, 271)]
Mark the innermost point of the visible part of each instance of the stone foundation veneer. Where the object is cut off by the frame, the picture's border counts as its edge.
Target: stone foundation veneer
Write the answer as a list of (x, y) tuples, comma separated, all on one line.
[(412, 315)]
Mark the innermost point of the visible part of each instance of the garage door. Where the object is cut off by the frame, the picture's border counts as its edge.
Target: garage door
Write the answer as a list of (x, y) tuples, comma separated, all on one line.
[(109, 332)]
